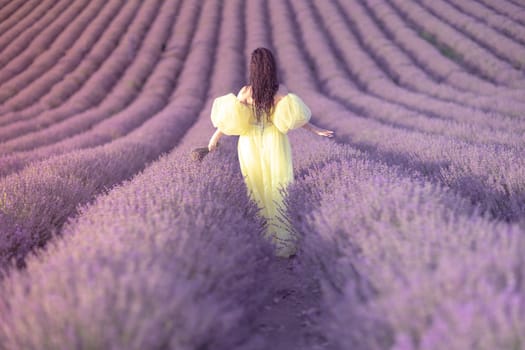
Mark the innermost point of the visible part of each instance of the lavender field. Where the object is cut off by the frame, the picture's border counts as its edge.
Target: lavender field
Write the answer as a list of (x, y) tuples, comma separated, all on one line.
[(411, 222)]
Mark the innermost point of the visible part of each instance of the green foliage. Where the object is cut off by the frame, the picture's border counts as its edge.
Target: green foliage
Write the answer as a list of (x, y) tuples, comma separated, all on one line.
[(443, 48)]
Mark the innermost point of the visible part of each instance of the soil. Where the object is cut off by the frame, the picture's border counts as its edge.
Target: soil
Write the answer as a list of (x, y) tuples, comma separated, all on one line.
[(290, 313)]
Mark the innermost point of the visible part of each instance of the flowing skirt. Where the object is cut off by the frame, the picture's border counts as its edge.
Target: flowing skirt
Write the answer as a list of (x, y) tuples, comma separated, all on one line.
[(265, 159)]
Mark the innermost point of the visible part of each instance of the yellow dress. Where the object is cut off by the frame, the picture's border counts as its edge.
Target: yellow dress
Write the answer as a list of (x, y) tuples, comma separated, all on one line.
[(265, 156)]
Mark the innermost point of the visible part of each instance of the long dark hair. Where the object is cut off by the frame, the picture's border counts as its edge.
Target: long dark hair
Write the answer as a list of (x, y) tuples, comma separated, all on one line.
[(263, 80)]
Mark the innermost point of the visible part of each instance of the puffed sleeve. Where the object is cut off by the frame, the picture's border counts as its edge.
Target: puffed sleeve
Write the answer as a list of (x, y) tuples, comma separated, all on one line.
[(229, 115), (291, 113)]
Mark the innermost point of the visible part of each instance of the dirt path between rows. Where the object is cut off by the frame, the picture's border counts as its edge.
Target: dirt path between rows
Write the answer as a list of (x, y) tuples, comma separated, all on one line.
[(290, 313)]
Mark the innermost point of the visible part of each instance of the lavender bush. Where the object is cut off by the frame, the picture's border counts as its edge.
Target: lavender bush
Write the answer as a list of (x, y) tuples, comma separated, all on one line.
[(403, 263), (490, 67), (108, 75), (35, 35), (410, 227), (173, 259), (61, 67), (16, 17), (39, 100), (490, 175), (75, 178), (109, 121)]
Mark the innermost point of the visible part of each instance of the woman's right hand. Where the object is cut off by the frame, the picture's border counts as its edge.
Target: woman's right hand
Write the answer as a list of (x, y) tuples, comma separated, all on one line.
[(212, 146)]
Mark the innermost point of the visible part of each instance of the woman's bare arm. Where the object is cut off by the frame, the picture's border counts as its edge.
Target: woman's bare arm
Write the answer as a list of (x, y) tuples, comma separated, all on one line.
[(212, 145), (283, 91), (318, 131)]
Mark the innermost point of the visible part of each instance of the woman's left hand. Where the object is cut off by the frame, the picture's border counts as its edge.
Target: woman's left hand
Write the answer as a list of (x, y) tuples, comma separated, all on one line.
[(324, 132), (214, 140)]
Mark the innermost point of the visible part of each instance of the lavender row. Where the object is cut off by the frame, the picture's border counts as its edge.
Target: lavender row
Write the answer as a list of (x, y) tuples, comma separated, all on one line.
[(257, 33), (75, 91), (227, 74), (333, 78), (503, 24), (8, 7), (21, 31), (62, 58), (507, 8), (153, 94), (17, 56), (12, 14), (177, 257), (123, 108), (500, 45), (227, 304), (95, 88), (415, 64), (43, 196), (371, 80), (43, 98), (487, 174), (48, 58), (474, 56), (8, 35), (403, 262), (418, 45)]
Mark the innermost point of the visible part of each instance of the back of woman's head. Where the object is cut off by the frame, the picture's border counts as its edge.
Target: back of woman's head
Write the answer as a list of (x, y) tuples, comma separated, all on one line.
[(263, 80)]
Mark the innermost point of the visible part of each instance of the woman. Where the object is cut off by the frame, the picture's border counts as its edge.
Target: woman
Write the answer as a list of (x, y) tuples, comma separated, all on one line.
[(261, 114)]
